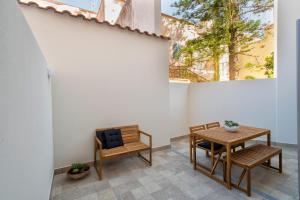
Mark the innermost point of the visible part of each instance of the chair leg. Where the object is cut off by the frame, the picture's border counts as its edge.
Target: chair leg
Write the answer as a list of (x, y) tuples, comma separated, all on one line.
[(224, 170), (243, 145), (280, 162), (207, 153), (241, 177), (212, 155), (216, 163), (249, 182), (191, 149), (194, 155), (149, 160), (95, 154), (150, 157), (98, 167)]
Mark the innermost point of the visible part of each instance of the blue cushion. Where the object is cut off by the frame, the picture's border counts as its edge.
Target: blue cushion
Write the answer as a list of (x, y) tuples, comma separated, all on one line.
[(207, 145), (113, 138), (101, 136)]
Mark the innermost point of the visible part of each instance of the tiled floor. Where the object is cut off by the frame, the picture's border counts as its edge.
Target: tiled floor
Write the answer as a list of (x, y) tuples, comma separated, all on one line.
[(172, 177)]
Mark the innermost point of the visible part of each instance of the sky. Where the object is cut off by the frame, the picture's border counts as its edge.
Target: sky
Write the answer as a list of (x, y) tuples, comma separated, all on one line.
[(92, 5), (166, 8)]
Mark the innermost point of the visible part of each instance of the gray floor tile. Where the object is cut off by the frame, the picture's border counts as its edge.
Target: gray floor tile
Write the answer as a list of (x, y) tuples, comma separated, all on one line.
[(172, 177)]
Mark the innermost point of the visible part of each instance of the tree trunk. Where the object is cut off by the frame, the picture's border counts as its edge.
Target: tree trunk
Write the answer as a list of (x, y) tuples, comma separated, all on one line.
[(232, 47), (232, 61), (216, 69)]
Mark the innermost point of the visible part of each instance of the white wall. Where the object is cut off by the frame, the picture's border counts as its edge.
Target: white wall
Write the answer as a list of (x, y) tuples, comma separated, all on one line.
[(104, 77), (26, 145), (144, 17), (247, 102), (288, 13), (178, 109)]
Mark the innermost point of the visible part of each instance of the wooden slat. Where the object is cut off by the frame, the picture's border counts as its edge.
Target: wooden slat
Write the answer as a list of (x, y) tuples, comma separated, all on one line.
[(127, 148), (129, 133), (130, 138), (212, 125), (254, 155), (194, 129), (124, 128)]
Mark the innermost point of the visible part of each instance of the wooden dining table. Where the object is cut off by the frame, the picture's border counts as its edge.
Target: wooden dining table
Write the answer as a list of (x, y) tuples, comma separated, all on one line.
[(228, 139)]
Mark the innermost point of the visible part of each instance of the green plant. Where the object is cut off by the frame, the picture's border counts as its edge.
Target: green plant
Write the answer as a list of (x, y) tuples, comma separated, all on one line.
[(231, 123), (78, 168), (267, 67), (249, 77)]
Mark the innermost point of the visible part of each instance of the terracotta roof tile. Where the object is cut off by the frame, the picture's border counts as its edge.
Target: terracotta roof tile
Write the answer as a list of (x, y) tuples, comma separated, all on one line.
[(78, 15)]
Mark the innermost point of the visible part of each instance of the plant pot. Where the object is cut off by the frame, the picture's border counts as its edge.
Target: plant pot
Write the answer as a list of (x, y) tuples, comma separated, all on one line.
[(80, 175), (231, 129)]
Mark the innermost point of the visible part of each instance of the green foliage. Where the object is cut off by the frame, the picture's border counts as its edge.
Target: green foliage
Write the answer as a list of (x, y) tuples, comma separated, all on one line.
[(249, 65), (78, 167), (231, 123), (249, 77), (229, 24), (267, 67)]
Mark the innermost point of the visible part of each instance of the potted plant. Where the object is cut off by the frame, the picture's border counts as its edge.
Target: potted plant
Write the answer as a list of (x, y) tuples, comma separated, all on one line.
[(231, 126), (78, 171)]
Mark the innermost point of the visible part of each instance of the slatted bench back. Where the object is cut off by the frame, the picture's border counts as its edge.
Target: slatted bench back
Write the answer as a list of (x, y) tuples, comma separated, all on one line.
[(212, 125), (195, 129), (129, 133)]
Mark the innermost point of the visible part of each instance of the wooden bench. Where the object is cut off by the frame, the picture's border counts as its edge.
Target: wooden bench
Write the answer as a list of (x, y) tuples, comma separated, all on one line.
[(131, 136), (251, 157)]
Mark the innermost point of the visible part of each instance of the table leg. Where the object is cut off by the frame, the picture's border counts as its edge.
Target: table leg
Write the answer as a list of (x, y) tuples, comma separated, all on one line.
[(269, 144), (228, 167), (194, 152)]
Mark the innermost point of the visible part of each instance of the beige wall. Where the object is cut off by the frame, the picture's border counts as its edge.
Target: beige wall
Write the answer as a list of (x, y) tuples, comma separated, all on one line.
[(104, 77), (26, 142), (260, 51)]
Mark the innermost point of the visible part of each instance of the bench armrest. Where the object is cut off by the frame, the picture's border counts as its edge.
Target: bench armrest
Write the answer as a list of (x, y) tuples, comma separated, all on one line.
[(148, 135), (98, 142)]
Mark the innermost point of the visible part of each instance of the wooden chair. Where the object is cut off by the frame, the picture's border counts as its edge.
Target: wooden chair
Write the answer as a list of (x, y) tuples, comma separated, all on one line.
[(193, 130), (131, 136), (213, 148), (251, 157)]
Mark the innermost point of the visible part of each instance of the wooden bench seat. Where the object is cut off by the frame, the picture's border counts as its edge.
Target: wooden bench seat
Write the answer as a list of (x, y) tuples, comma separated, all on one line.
[(251, 157), (126, 149), (131, 136)]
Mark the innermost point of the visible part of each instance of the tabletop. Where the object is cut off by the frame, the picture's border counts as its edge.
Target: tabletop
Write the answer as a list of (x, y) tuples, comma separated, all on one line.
[(221, 136)]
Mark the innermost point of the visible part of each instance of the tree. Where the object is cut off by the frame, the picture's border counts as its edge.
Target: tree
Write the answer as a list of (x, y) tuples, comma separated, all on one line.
[(267, 67), (233, 18), (209, 47)]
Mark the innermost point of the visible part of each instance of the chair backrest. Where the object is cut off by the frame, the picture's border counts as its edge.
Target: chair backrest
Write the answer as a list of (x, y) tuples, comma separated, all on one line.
[(212, 125), (194, 129), (129, 133)]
